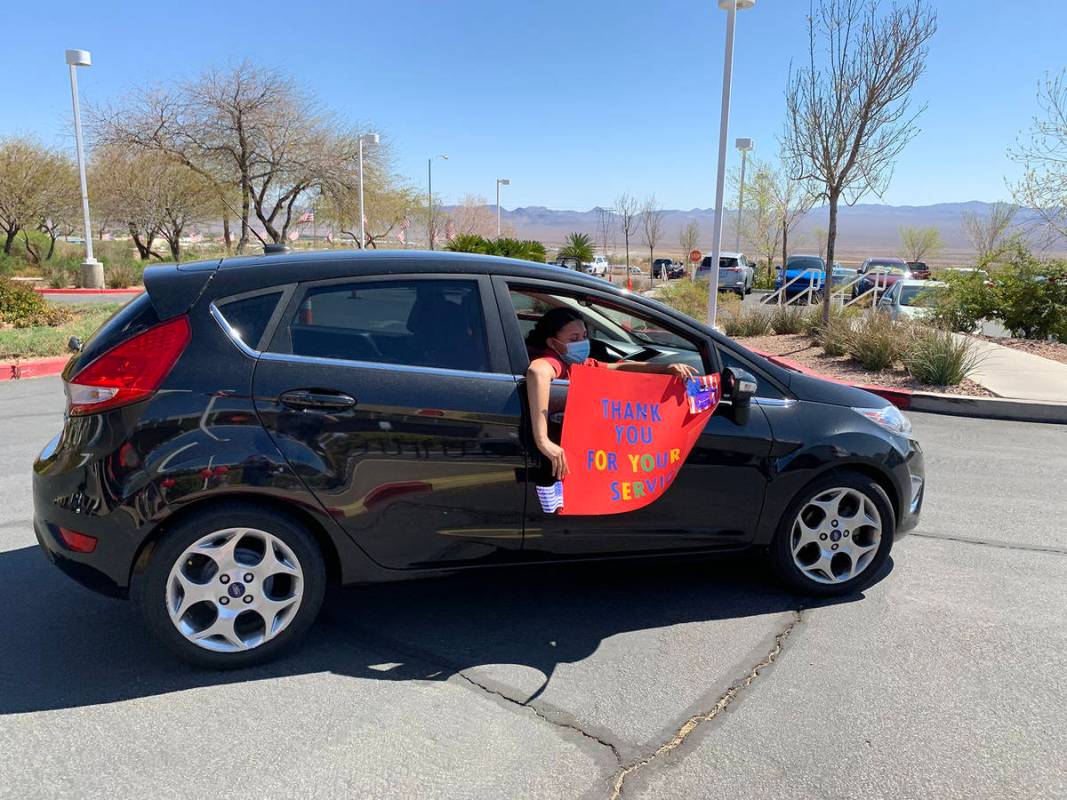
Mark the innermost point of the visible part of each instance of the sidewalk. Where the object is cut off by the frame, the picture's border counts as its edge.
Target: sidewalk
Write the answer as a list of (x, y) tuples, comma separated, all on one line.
[(1018, 375)]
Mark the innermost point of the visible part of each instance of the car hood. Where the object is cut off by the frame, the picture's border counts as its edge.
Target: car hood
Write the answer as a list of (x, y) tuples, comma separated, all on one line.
[(819, 390)]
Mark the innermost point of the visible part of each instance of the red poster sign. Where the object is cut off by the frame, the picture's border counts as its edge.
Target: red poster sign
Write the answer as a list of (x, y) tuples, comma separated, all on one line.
[(626, 435), (695, 256)]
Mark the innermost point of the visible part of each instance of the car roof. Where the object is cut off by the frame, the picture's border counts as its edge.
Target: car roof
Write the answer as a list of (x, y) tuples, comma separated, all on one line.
[(916, 282)]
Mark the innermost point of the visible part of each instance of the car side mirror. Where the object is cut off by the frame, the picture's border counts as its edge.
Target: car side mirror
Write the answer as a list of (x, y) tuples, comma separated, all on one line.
[(740, 384)]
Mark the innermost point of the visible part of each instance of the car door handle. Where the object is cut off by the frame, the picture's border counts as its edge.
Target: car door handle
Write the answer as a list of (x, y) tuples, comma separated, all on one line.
[(312, 399)]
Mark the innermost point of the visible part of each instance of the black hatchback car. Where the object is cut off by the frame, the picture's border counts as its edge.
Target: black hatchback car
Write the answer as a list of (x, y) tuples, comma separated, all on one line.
[(249, 430)]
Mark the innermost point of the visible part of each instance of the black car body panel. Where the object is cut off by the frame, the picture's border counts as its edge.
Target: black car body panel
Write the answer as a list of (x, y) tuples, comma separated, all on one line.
[(430, 468)]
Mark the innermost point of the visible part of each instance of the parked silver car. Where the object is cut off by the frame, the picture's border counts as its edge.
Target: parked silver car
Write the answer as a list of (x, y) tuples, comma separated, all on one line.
[(736, 274)]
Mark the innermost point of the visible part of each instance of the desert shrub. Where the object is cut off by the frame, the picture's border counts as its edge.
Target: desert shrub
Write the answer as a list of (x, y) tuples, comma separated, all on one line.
[(22, 307), (8, 264), (746, 322), (1030, 296), (877, 342), (762, 280), (62, 271), (963, 303), (691, 298), (939, 358), (834, 337), (121, 276), (789, 319)]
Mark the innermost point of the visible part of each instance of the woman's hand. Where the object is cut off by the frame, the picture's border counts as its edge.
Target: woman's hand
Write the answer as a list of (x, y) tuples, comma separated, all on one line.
[(554, 453), (682, 371)]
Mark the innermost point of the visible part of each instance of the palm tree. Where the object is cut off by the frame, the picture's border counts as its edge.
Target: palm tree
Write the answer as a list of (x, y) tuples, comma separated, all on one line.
[(580, 246)]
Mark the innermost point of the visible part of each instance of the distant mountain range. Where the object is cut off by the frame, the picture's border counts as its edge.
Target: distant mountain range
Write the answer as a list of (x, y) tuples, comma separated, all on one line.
[(863, 230)]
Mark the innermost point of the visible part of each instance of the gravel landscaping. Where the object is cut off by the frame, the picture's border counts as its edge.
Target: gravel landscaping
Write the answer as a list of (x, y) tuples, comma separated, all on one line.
[(1056, 351)]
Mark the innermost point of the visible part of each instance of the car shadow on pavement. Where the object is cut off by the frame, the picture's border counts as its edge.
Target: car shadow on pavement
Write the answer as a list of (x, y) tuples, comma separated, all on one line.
[(64, 646)]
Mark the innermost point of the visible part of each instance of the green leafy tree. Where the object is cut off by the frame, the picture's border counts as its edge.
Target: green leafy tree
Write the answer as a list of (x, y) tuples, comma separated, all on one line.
[(580, 246)]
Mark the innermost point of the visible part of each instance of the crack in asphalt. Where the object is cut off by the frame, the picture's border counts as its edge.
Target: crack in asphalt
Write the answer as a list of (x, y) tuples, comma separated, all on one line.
[(1033, 548), (694, 722), (543, 715)]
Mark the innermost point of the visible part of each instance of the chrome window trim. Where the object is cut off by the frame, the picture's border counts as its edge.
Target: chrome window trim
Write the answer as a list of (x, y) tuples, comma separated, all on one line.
[(231, 333), (381, 365), (778, 402)]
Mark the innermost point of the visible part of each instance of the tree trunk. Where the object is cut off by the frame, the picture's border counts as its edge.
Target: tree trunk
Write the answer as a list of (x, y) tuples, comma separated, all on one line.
[(51, 247), (227, 237), (11, 234), (245, 206), (831, 241), (785, 252)]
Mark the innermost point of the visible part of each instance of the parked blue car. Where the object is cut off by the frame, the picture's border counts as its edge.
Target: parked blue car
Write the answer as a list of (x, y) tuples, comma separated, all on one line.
[(809, 272)]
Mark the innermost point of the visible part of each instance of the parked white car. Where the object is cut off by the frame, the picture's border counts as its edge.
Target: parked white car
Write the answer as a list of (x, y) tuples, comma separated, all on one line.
[(736, 274), (910, 299), (599, 266)]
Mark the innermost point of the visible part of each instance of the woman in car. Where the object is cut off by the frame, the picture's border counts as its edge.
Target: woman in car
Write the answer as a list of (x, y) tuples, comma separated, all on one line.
[(558, 341)]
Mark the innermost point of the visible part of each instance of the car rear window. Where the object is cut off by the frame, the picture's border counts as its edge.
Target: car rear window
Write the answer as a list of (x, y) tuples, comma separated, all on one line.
[(423, 323), (249, 316)]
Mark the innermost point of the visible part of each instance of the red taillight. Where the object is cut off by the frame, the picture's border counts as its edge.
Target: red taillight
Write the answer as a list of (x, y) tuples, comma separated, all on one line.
[(78, 542), (130, 371)]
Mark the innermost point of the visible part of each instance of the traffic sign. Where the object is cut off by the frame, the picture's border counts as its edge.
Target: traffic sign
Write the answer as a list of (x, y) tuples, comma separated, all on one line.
[(695, 256)]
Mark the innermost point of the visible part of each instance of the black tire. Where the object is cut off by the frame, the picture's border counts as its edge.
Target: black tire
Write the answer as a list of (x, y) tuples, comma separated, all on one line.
[(149, 586), (781, 552)]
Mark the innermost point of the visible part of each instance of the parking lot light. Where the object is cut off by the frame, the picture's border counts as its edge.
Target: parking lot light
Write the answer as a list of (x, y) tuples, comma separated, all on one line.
[(744, 145), (499, 182), (429, 197), (92, 270), (370, 139), (731, 7)]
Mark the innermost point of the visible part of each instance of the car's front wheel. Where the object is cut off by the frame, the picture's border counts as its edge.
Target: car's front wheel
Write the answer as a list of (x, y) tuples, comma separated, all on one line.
[(835, 536), (232, 587)]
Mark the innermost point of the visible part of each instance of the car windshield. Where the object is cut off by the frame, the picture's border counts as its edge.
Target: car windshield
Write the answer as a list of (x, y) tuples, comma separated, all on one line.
[(804, 262), (882, 265), (921, 296), (888, 269)]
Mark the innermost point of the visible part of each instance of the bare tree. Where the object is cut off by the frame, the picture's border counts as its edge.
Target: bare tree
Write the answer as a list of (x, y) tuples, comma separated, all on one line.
[(651, 226), (387, 205), (688, 238), (246, 128), (761, 228), (627, 212), (793, 199), (849, 110), (474, 215), (1043, 186), (605, 226), (991, 235), (918, 244), (820, 241)]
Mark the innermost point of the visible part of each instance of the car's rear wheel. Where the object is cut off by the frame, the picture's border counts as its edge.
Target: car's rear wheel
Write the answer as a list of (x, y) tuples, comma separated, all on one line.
[(835, 536), (232, 587)]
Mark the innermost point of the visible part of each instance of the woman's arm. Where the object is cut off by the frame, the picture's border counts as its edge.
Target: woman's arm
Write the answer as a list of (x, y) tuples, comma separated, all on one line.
[(679, 369), (538, 387)]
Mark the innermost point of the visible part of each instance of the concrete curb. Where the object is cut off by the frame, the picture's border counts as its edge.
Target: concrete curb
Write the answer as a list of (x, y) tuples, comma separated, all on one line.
[(32, 368), (1003, 408), (135, 290)]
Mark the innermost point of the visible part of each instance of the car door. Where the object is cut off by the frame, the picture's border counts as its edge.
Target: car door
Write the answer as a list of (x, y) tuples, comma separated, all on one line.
[(392, 398), (713, 503)]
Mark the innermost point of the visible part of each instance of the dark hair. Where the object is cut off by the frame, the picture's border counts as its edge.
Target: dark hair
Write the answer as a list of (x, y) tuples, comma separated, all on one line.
[(551, 323)]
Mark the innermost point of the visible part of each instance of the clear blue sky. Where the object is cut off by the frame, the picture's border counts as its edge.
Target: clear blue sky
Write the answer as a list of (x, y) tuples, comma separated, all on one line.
[(573, 100)]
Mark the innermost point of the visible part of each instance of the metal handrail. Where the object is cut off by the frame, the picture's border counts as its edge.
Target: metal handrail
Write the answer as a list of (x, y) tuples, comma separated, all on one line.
[(780, 292)]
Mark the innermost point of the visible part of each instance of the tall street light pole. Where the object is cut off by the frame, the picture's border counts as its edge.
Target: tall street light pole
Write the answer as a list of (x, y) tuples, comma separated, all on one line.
[(499, 182), (744, 145), (366, 138), (429, 196), (731, 7), (92, 270)]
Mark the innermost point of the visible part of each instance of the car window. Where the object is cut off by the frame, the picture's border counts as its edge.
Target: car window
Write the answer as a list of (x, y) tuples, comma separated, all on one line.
[(248, 317), (423, 323), (764, 388), (617, 332)]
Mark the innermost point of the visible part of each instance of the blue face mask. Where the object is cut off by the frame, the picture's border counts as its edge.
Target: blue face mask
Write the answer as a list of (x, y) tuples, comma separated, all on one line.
[(576, 352)]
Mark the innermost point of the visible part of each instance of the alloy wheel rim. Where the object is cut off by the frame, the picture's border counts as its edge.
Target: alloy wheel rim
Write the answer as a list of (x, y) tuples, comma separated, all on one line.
[(234, 589), (836, 535)]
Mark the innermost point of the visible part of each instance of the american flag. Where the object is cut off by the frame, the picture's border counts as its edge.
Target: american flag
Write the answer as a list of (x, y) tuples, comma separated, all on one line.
[(551, 497), (294, 235), (308, 216)]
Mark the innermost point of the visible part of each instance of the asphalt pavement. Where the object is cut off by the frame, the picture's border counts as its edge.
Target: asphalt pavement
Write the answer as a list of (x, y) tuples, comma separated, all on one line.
[(946, 678)]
